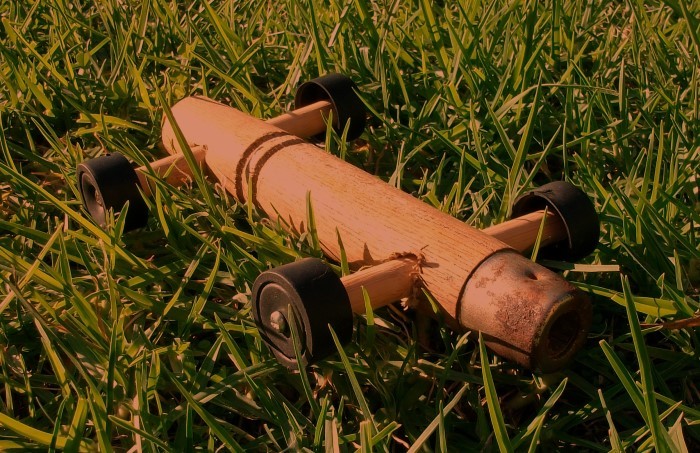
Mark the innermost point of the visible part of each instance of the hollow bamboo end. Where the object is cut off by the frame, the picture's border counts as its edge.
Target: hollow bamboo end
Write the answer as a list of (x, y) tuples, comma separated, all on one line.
[(564, 332), (526, 313)]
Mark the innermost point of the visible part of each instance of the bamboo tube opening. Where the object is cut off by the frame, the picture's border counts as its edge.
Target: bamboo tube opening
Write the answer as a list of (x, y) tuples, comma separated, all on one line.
[(534, 317), (562, 334)]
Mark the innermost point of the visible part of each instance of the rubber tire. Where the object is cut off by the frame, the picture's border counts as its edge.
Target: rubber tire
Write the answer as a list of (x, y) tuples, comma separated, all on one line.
[(341, 92), (317, 299), (577, 213), (109, 182)]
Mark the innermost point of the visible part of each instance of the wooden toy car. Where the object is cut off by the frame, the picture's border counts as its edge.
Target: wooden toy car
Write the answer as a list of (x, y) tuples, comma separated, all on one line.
[(526, 313)]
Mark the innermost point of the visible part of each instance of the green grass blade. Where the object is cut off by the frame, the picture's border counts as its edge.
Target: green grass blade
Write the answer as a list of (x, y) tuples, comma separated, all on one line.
[(355, 384), (228, 441), (658, 432), (500, 432)]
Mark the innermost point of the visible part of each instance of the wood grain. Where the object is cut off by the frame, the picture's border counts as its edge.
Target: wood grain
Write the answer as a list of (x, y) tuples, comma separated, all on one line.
[(373, 220), (533, 317), (399, 278), (306, 121)]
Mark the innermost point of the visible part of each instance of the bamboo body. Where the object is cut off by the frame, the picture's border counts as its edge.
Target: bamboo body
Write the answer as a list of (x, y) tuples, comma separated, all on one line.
[(526, 312), (374, 220), (519, 233), (306, 121)]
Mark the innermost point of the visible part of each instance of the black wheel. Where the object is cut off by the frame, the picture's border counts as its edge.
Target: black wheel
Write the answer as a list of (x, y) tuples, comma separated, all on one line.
[(316, 298), (108, 182), (577, 213), (340, 91)]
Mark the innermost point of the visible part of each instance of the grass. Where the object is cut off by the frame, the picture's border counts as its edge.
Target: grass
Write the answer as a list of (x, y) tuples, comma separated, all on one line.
[(145, 341)]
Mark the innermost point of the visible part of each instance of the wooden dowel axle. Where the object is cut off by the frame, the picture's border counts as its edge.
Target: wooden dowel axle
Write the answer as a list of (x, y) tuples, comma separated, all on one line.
[(305, 121), (521, 232), (173, 168), (385, 283), (396, 279)]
